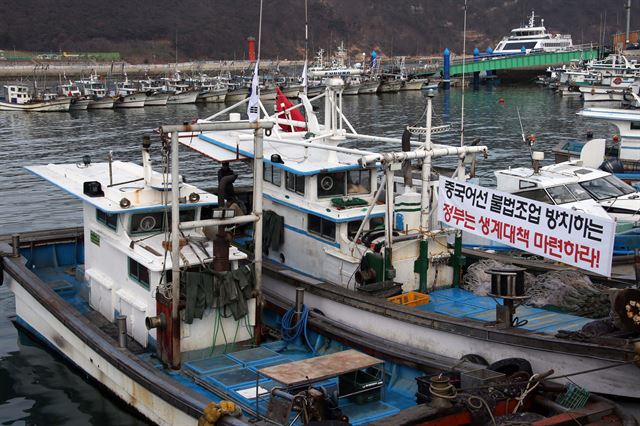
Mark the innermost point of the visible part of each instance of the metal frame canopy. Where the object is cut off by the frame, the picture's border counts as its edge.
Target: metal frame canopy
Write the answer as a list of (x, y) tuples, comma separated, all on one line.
[(319, 368)]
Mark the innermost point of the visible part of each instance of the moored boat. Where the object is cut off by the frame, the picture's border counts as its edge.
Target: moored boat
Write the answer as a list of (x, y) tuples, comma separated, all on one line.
[(17, 98), (328, 206)]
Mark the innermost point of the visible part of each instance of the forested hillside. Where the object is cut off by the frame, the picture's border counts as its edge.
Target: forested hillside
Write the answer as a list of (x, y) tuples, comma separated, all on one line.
[(147, 29)]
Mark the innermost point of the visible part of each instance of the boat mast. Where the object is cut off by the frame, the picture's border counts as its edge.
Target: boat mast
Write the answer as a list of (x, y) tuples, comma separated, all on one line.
[(305, 82), (461, 171)]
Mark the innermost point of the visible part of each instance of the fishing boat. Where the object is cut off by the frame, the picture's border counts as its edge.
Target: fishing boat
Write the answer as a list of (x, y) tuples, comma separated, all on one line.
[(369, 86), (179, 91), (324, 199), (17, 98), (183, 366), (352, 86), (390, 83), (621, 154), (95, 89), (156, 96), (71, 90), (128, 95), (530, 38)]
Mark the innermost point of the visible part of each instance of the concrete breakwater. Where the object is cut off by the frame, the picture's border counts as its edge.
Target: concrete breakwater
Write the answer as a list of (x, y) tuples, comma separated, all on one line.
[(75, 69)]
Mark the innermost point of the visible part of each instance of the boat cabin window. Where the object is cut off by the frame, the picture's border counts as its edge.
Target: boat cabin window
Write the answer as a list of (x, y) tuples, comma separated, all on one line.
[(519, 45), (579, 192), (536, 195), (359, 181), (139, 273), (272, 174), (294, 183), (322, 227), (607, 187), (110, 220), (560, 194), (331, 184), (635, 125), (155, 221), (525, 184)]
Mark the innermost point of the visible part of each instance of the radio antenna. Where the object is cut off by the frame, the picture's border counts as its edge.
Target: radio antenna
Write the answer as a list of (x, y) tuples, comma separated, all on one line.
[(524, 139)]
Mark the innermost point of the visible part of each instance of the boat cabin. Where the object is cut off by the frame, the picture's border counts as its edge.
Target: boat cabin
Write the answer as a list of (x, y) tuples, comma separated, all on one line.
[(16, 94), (127, 222), (325, 212)]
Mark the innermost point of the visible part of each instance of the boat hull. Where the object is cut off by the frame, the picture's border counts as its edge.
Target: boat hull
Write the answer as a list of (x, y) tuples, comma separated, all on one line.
[(601, 94), (369, 87), (351, 89), (237, 95), (157, 99), (418, 331), (57, 105), (40, 322), (104, 103), (183, 98), (390, 86), (415, 84), (213, 96), (79, 104), (136, 100)]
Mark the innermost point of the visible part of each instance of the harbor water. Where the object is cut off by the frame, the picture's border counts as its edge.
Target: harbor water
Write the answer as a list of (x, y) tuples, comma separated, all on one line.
[(36, 387)]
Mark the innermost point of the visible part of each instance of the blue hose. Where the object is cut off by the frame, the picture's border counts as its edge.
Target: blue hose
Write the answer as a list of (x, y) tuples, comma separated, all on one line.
[(291, 332)]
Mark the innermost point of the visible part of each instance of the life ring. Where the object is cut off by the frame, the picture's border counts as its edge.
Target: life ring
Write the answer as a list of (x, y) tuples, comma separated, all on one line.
[(326, 183)]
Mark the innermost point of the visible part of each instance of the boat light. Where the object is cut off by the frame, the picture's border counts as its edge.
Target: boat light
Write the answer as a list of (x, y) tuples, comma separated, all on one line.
[(125, 203)]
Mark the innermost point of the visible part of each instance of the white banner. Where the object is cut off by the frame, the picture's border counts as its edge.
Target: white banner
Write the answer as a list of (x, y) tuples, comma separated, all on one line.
[(561, 234)]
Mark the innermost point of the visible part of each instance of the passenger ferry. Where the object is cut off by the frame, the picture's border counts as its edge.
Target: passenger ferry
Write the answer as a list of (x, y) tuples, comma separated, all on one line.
[(533, 38)]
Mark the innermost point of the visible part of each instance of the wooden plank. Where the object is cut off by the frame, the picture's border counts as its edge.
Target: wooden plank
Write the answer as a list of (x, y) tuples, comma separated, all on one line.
[(319, 368)]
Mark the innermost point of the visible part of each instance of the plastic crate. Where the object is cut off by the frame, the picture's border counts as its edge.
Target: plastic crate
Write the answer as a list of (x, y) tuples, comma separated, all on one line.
[(575, 397), (412, 298)]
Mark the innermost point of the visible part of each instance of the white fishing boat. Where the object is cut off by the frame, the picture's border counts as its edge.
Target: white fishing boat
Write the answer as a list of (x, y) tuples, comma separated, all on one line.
[(576, 184), (530, 38), (369, 86), (324, 202), (164, 317), (17, 98), (71, 90), (390, 83), (154, 91), (128, 95), (179, 91), (352, 86), (95, 89)]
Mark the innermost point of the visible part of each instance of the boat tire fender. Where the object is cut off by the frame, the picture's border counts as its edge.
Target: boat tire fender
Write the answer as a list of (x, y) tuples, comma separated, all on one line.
[(510, 366), (474, 358)]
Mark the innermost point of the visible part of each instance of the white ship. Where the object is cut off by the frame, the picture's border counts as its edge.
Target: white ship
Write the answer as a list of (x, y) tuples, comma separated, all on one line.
[(533, 38)]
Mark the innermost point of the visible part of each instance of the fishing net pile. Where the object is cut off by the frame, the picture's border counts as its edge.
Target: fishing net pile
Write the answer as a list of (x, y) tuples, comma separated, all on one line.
[(570, 291)]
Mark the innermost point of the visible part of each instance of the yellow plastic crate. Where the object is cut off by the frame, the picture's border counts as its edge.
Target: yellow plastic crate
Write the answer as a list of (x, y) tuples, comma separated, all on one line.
[(412, 298)]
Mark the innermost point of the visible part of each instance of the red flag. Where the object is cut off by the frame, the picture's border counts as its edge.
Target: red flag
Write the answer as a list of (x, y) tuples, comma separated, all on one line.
[(282, 104)]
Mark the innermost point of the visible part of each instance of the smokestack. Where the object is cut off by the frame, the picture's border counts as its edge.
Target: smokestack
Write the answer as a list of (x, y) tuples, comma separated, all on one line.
[(628, 7), (252, 48)]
